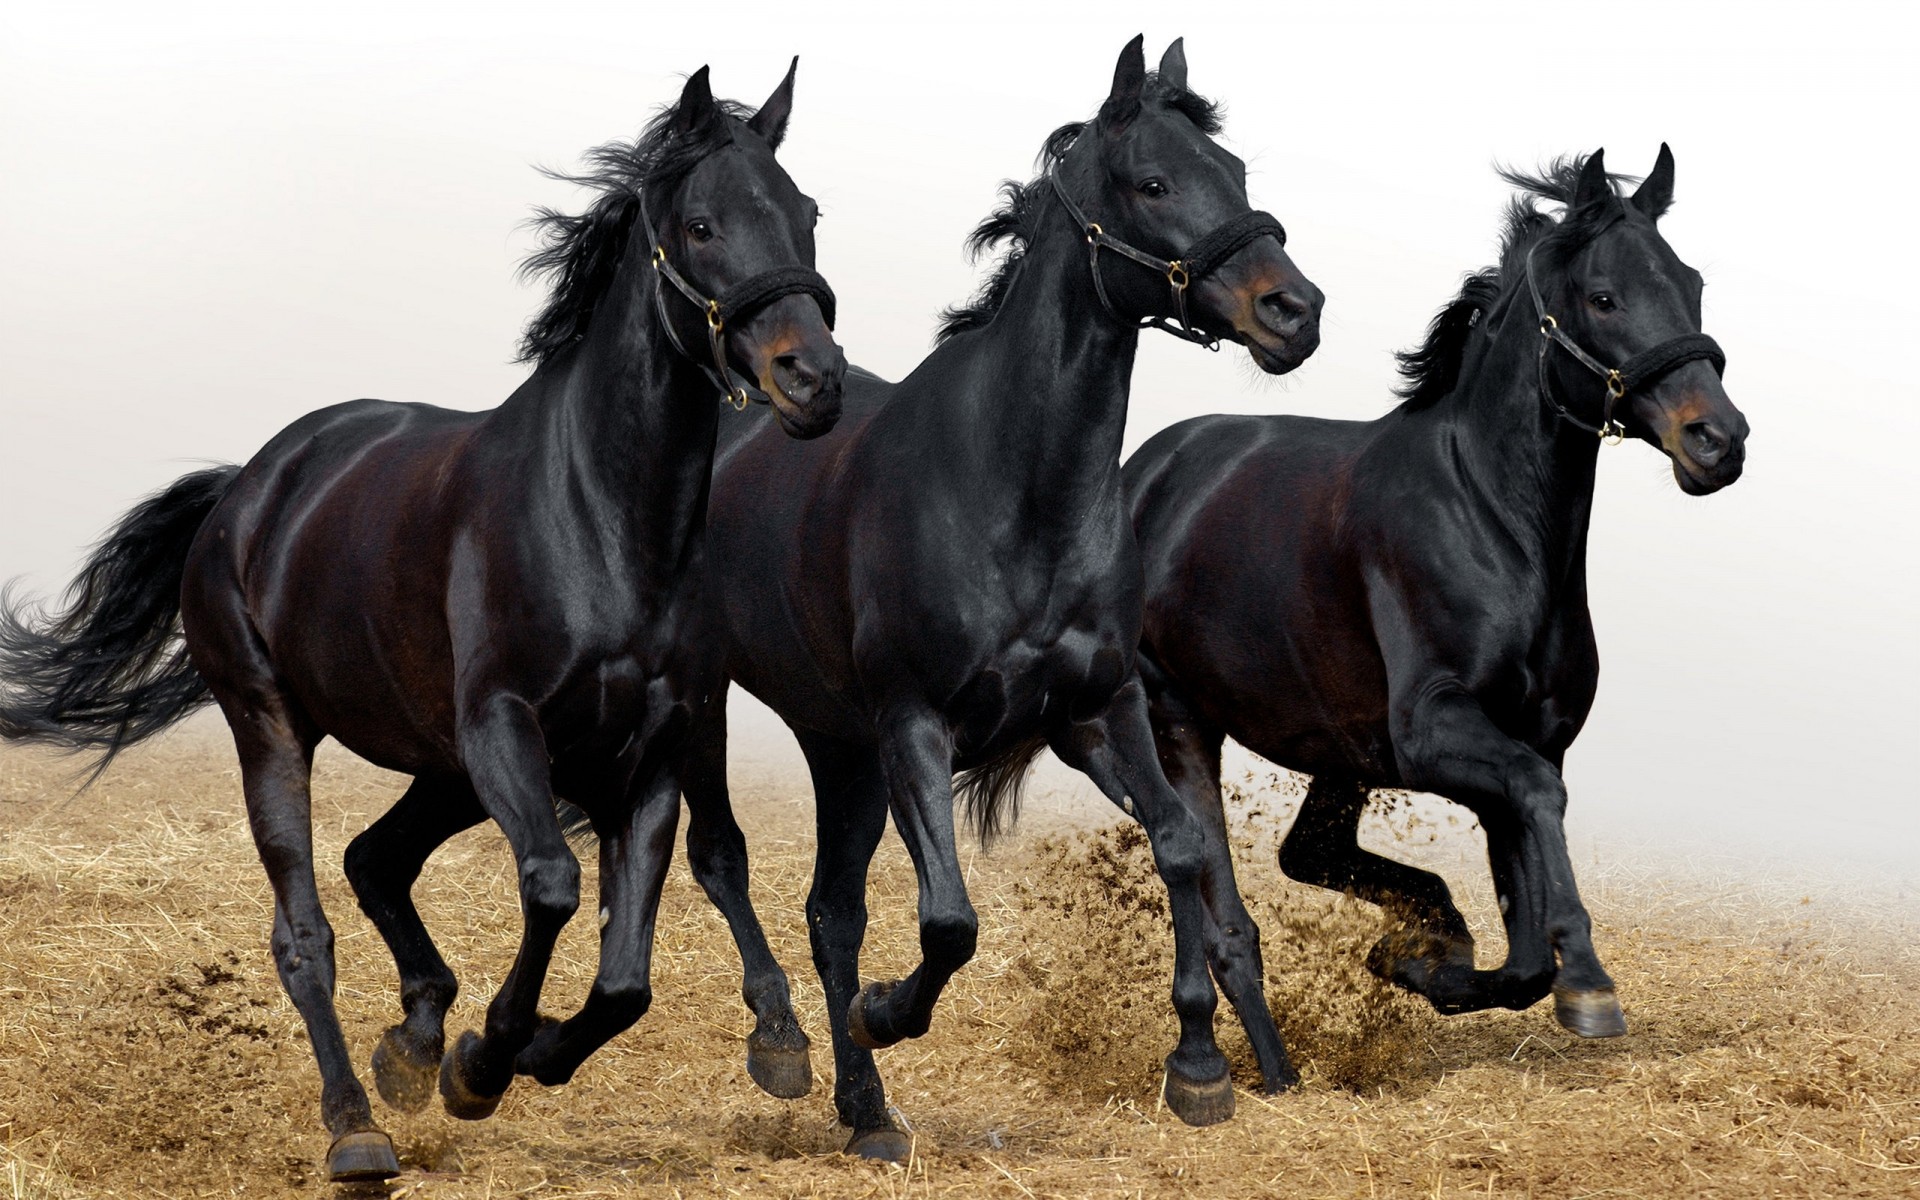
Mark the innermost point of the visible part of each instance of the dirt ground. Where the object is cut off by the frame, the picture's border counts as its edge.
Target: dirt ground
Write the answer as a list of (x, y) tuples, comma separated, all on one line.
[(146, 1048)]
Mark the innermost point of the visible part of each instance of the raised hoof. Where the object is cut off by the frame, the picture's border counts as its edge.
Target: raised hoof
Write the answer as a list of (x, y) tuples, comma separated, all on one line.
[(857, 1028), (365, 1157), (782, 1071), (1594, 1014), (460, 1100), (404, 1081), (1199, 1101), (881, 1145)]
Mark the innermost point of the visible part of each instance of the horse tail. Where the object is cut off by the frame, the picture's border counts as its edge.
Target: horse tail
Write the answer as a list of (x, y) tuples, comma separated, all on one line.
[(990, 793), (109, 668)]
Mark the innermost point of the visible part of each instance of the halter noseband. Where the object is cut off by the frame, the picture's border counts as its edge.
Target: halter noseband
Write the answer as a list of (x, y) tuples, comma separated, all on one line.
[(1201, 259), (1644, 368), (738, 302)]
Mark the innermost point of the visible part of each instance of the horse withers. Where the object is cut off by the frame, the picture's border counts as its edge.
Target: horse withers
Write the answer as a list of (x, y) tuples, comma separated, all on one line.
[(951, 582), (508, 606), (1402, 603)]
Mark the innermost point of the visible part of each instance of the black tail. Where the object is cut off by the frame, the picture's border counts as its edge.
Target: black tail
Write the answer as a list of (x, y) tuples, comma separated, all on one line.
[(990, 793), (109, 669)]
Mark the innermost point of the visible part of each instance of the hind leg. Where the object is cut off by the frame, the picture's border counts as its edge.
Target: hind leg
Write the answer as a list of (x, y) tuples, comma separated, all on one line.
[(850, 807), (275, 767), (382, 865), (717, 851), (1323, 849), (1189, 754)]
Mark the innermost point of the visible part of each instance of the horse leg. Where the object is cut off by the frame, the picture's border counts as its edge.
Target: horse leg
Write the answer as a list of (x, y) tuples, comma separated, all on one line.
[(717, 852), (916, 758), (1189, 754), (382, 865), (505, 756), (1323, 849), (1449, 746), (1115, 749), (276, 767), (850, 814), (636, 847)]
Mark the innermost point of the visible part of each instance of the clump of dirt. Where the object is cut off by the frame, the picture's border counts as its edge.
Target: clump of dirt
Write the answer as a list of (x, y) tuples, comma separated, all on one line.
[(1343, 1025), (1104, 971)]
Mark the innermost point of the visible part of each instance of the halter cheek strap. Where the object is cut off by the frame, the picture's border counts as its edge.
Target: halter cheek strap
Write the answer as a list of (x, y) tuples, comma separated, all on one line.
[(1642, 370), (1200, 260), (738, 302)]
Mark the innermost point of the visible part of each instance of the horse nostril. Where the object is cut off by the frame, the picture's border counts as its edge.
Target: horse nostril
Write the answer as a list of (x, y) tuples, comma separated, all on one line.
[(794, 377), (1706, 442), (1284, 310)]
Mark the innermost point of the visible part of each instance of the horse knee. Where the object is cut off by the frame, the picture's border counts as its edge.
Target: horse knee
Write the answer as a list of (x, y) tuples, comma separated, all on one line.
[(949, 939), (550, 888), (625, 1002), (304, 956)]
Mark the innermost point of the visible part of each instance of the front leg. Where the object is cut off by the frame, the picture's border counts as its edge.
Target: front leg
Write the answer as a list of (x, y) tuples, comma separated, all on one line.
[(1189, 756), (1446, 744), (1115, 749), (505, 756), (916, 760), (636, 847)]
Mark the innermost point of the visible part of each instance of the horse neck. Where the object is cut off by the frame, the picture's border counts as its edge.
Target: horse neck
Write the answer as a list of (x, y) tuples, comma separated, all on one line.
[(1535, 470), (1049, 407), (628, 424)]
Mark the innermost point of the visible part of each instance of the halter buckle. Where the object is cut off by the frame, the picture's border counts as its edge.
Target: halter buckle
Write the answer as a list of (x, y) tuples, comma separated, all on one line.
[(1612, 432), (1616, 387), (714, 321), (1548, 325), (1177, 275), (659, 257), (1094, 232)]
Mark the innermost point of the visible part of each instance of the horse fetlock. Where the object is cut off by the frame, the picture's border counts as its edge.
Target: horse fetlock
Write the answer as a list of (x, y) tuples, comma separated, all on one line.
[(550, 889), (948, 942)]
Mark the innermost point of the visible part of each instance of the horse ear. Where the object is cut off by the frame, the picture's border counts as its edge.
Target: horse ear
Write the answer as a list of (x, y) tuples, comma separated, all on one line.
[(1594, 185), (1173, 65), (696, 106), (771, 121), (1129, 80), (1655, 196)]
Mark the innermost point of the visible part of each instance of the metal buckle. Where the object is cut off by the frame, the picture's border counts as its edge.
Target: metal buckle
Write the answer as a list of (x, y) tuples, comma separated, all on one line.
[(713, 316), (1177, 275), (1094, 231), (1612, 433), (1616, 387), (738, 398), (1547, 325)]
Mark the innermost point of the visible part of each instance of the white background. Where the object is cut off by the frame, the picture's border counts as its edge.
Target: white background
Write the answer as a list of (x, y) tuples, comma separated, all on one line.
[(213, 220)]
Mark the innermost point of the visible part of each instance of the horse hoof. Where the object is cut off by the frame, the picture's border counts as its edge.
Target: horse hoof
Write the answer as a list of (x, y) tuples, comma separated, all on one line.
[(1199, 1101), (857, 1028), (460, 1100), (1594, 1014), (782, 1071), (881, 1145), (404, 1080), (364, 1157)]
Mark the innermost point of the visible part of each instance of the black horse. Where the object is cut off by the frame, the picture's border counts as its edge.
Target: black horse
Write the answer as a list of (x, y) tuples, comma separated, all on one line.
[(1403, 602), (952, 581), (507, 606)]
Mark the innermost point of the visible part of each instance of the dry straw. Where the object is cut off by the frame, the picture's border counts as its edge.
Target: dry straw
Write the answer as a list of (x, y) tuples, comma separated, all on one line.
[(146, 1048)]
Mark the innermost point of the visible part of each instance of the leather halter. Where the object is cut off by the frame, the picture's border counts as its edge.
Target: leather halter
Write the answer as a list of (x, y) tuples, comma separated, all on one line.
[(738, 302), (1200, 260), (1643, 369)]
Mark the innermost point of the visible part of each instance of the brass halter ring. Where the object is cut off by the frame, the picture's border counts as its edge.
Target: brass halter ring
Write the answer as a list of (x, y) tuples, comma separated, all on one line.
[(714, 321), (1177, 275)]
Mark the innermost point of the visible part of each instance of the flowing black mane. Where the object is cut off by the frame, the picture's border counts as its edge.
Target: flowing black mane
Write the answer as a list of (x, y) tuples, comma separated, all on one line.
[(583, 253), (1432, 369), (1012, 222)]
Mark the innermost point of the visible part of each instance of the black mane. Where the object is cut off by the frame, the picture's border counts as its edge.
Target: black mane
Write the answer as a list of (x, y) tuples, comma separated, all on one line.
[(1012, 222), (583, 253), (1431, 370)]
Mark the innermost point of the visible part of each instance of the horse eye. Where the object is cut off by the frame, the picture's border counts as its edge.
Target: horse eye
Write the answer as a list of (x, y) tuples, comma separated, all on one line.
[(1152, 187), (700, 231), (1602, 301)]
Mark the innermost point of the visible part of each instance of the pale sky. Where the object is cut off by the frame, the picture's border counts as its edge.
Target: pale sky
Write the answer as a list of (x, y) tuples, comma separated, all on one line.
[(214, 219)]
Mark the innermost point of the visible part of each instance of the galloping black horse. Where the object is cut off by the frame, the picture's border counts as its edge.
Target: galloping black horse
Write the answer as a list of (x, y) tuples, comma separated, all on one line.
[(953, 582), (1403, 602), (505, 605)]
